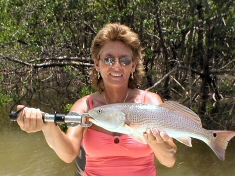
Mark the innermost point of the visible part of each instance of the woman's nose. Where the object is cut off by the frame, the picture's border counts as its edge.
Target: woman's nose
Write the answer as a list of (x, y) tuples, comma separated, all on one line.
[(116, 64)]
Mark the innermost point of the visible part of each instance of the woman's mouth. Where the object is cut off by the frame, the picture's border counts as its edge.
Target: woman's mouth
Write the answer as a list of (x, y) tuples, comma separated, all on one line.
[(115, 74)]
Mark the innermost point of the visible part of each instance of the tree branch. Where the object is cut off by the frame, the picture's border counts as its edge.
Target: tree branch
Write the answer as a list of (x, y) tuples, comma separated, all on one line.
[(60, 61), (63, 58), (164, 77), (14, 60)]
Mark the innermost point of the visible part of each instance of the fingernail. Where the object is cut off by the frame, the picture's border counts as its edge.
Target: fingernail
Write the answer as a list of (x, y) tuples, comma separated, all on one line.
[(162, 133), (155, 130)]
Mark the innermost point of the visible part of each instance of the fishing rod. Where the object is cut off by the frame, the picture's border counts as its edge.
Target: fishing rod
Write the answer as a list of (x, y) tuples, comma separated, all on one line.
[(71, 119)]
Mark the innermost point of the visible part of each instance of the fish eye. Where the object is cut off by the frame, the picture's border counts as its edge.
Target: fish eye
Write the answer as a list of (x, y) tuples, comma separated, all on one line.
[(100, 111)]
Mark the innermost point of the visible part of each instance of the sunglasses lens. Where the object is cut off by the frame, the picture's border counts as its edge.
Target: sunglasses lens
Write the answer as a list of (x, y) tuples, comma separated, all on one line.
[(125, 61), (109, 61)]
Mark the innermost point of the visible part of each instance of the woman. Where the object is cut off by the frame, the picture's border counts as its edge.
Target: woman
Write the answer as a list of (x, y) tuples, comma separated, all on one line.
[(116, 51)]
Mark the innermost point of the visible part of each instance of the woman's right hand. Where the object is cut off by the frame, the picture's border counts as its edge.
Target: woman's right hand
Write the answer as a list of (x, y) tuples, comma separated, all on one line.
[(30, 119)]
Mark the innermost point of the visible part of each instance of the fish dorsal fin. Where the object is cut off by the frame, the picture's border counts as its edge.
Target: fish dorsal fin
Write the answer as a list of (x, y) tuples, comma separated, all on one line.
[(172, 105)]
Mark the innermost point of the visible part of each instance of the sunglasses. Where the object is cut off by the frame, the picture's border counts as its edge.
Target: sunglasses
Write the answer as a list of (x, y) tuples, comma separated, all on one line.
[(111, 61)]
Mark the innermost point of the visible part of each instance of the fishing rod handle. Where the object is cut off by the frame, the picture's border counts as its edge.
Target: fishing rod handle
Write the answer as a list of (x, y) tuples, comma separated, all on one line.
[(71, 119)]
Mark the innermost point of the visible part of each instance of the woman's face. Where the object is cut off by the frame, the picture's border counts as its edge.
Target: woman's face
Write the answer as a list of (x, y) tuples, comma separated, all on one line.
[(115, 63)]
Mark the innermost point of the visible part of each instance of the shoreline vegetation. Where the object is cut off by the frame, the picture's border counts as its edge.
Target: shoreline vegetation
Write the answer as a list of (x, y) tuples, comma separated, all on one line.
[(189, 52)]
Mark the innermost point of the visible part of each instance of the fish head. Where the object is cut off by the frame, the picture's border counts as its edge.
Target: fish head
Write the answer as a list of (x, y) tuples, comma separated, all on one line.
[(109, 119)]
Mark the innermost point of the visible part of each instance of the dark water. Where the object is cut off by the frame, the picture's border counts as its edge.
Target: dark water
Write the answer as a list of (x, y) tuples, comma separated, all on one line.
[(28, 154)]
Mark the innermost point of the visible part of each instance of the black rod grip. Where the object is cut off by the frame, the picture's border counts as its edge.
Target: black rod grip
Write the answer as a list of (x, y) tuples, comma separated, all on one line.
[(14, 114)]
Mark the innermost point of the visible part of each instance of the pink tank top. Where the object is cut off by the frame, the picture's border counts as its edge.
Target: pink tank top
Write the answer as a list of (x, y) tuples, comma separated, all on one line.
[(108, 155)]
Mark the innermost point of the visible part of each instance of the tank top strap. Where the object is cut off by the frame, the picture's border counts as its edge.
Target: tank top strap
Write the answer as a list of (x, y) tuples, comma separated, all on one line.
[(143, 97), (90, 102)]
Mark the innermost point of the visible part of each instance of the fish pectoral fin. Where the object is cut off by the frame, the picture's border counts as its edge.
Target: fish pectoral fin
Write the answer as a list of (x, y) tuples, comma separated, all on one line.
[(134, 134), (125, 129), (139, 138), (185, 140)]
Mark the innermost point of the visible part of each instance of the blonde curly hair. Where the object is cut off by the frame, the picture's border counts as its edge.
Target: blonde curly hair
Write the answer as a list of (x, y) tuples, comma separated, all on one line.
[(117, 32)]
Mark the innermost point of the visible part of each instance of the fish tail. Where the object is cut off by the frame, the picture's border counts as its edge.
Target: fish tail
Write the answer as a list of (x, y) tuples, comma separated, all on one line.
[(220, 141)]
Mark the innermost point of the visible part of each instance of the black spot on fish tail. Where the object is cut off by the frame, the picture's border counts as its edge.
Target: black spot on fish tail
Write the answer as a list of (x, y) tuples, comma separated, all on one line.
[(220, 141)]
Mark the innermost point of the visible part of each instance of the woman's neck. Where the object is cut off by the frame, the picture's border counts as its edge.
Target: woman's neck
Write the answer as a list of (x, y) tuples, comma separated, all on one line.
[(116, 95)]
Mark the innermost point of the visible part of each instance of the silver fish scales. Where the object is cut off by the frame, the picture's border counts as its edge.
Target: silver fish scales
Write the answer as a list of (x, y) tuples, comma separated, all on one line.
[(178, 121)]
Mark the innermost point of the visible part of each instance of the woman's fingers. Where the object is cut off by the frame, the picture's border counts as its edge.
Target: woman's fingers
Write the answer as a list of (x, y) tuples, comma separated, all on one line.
[(154, 135), (30, 120)]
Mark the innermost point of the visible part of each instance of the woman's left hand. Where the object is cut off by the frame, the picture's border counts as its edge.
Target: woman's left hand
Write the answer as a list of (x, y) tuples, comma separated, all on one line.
[(155, 136), (162, 145)]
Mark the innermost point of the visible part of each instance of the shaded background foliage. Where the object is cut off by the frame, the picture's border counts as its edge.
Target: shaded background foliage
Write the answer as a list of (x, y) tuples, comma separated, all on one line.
[(188, 46)]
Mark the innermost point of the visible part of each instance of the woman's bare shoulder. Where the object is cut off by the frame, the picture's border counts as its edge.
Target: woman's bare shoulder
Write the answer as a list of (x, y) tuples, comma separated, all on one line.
[(153, 98), (80, 105)]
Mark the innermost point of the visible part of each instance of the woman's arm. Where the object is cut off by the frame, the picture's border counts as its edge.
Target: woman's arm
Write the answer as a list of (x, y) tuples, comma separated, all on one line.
[(66, 146)]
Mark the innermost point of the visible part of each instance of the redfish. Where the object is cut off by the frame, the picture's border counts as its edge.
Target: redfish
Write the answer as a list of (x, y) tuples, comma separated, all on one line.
[(176, 120)]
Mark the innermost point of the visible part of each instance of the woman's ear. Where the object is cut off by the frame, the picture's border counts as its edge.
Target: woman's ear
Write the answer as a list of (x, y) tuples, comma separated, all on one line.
[(134, 63), (96, 64)]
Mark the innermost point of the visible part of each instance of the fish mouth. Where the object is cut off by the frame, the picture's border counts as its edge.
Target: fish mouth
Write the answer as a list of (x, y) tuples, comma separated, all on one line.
[(91, 119)]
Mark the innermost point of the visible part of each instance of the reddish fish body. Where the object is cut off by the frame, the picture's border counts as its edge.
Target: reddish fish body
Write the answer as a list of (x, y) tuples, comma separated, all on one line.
[(176, 120)]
